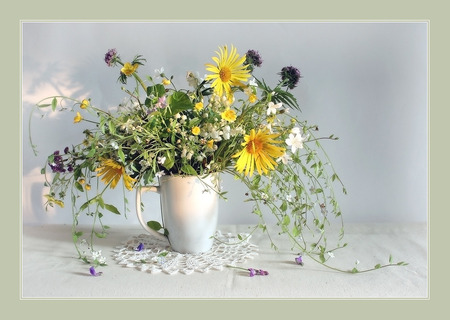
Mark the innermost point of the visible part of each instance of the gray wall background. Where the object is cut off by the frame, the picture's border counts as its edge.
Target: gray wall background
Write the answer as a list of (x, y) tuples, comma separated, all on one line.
[(365, 82)]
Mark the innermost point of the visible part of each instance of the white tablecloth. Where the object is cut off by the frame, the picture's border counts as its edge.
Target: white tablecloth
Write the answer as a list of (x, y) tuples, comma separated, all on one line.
[(50, 268)]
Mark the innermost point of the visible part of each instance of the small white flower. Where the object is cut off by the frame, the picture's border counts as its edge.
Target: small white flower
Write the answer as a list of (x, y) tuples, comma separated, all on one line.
[(284, 158), (96, 254), (272, 108), (252, 82), (331, 254), (159, 72), (161, 160), (295, 141), (226, 132), (101, 259), (296, 130), (289, 198), (160, 174), (192, 79)]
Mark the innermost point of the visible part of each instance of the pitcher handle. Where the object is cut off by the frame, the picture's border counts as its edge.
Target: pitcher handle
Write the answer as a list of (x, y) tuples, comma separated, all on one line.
[(144, 225)]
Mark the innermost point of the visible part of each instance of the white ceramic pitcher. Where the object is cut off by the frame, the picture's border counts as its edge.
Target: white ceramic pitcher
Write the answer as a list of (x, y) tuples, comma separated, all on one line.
[(189, 209)]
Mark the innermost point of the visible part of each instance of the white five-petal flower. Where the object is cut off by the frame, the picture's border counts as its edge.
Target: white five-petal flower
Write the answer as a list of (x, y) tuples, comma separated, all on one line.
[(284, 158), (295, 141), (272, 107)]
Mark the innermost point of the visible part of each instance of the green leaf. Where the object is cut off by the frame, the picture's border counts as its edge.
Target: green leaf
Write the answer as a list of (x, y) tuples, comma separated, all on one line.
[(295, 232), (390, 258), (322, 257), (79, 186), (100, 201), (112, 208), (121, 155), (87, 203), (168, 164), (188, 169), (286, 220), (157, 90), (179, 101), (91, 153), (354, 270), (75, 238), (155, 225), (378, 266), (54, 103), (100, 235)]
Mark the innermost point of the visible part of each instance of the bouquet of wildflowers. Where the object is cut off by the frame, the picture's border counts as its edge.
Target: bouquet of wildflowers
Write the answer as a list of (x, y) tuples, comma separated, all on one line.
[(229, 122)]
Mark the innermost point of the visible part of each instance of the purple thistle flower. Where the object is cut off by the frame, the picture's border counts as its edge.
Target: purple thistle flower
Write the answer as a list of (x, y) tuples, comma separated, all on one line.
[(110, 57), (290, 77), (58, 163), (139, 247), (253, 58), (299, 260), (94, 273)]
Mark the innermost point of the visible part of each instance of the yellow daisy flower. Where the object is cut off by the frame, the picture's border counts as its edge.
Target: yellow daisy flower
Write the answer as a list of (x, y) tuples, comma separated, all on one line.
[(112, 172), (229, 115), (229, 71), (128, 69), (77, 118), (258, 152)]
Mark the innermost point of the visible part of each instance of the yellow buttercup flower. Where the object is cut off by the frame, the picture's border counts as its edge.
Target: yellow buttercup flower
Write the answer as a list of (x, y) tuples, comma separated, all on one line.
[(195, 131), (210, 144), (112, 172), (77, 118), (229, 115), (259, 151), (229, 71), (88, 187), (198, 106), (128, 69), (166, 82), (84, 104), (252, 98)]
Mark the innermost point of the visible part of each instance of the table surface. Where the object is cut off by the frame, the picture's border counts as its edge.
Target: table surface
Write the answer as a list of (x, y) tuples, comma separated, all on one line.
[(51, 269)]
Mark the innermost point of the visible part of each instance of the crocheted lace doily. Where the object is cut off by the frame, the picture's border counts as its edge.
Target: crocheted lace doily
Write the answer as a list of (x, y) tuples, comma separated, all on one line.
[(149, 254)]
